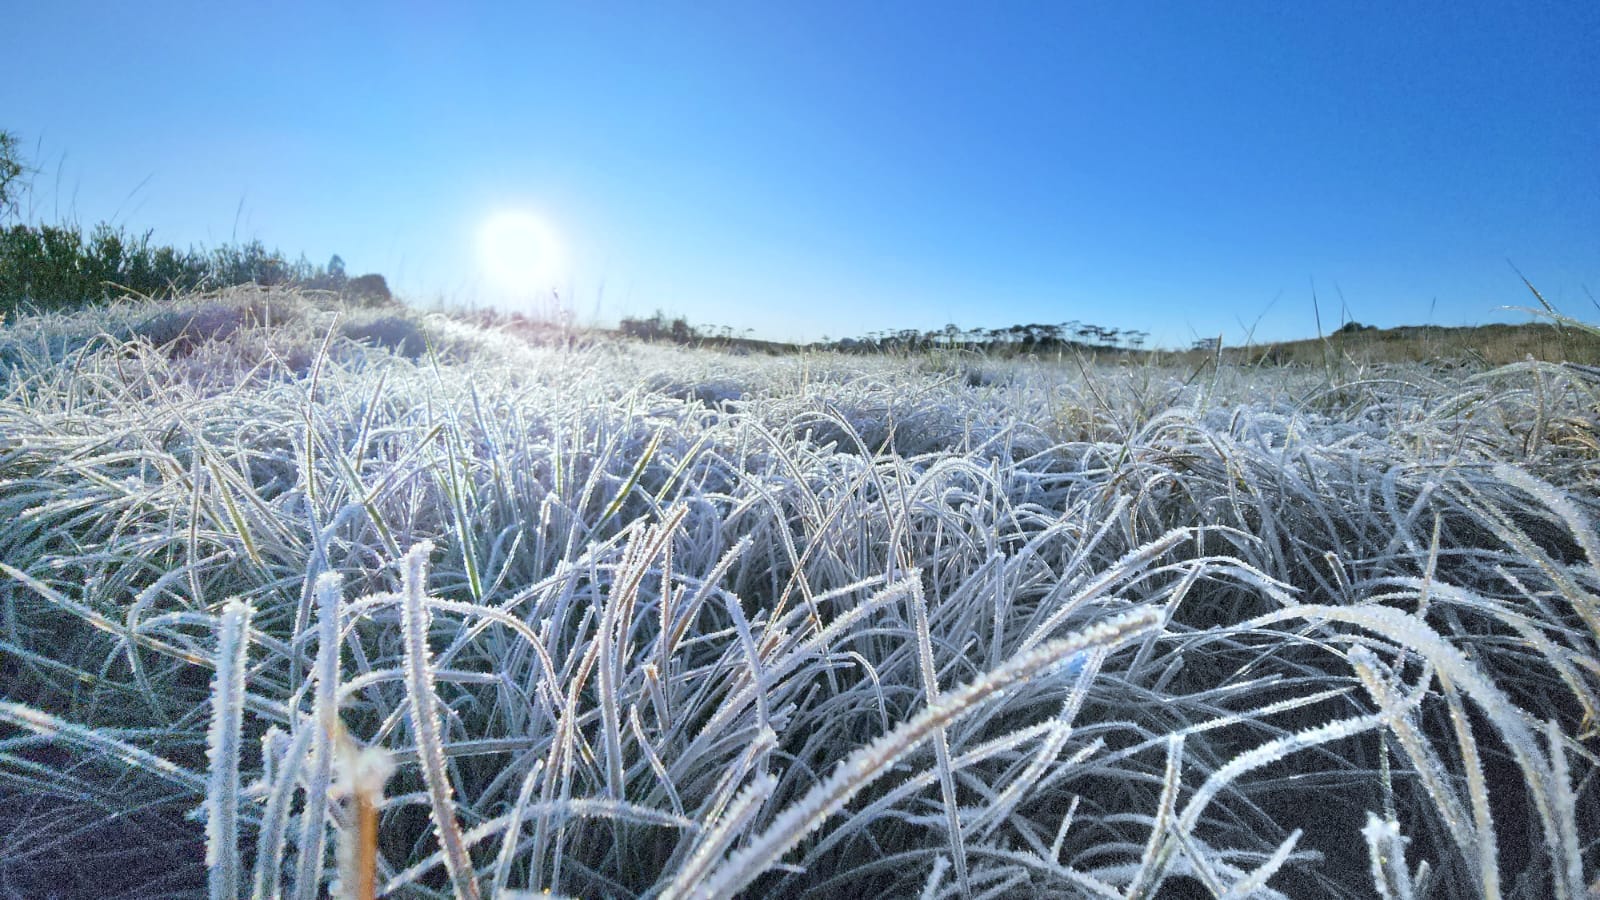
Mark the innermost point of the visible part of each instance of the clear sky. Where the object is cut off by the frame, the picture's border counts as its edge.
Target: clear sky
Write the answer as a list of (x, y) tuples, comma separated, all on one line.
[(806, 169)]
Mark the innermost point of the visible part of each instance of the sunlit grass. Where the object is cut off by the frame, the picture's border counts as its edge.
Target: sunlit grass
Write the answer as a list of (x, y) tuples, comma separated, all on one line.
[(627, 620)]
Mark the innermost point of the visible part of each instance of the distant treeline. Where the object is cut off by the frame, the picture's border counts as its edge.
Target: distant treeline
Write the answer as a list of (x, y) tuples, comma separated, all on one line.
[(1035, 338), (1018, 338), (660, 328)]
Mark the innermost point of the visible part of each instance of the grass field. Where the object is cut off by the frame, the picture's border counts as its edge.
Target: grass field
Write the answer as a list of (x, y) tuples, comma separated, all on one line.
[(1475, 347), (293, 598)]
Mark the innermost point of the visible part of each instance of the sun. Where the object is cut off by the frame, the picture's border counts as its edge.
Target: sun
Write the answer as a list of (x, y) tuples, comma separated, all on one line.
[(520, 252)]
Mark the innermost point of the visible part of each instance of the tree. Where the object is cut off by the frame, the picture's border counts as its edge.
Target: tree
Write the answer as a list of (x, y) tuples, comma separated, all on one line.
[(11, 172)]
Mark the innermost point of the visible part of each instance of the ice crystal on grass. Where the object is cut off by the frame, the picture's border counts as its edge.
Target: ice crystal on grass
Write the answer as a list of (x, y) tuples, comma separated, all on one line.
[(810, 625)]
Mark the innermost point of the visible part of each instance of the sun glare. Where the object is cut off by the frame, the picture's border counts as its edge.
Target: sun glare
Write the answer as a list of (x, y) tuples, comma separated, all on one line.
[(519, 252)]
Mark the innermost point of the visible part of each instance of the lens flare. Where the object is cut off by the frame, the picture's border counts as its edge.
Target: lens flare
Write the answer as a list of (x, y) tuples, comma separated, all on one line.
[(520, 252)]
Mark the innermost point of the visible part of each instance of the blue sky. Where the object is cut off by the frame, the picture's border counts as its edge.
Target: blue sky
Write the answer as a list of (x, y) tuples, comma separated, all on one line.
[(809, 169)]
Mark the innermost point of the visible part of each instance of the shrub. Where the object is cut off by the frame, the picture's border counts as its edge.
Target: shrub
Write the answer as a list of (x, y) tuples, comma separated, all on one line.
[(50, 267), (368, 290)]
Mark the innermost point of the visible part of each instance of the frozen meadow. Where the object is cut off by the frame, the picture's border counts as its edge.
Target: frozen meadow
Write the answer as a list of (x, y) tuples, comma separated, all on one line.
[(295, 601)]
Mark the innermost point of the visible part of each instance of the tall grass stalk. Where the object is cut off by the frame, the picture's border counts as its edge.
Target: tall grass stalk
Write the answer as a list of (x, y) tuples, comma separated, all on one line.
[(422, 701), (223, 747)]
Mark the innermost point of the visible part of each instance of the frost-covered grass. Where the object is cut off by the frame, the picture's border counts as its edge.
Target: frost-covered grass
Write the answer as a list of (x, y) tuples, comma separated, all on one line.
[(279, 609)]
